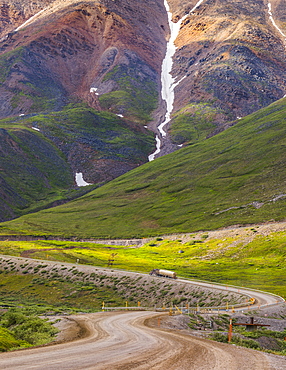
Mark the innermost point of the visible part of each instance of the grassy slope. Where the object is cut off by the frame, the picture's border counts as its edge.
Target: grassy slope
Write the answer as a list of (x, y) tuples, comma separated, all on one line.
[(33, 171), (30, 290), (9, 342), (34, 165), (193, 123), (136, 95), (105, 133), (184, 191)]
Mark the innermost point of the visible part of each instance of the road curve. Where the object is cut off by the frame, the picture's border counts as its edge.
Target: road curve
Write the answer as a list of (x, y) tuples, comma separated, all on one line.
[(122, 341), (262, 299)]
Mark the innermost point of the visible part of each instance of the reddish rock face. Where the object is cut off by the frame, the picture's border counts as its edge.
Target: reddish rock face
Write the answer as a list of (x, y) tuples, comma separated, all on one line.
[(13, 13), (76, 44)]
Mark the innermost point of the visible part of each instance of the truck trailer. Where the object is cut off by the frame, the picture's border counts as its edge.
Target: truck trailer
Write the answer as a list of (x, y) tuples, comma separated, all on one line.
[(164, 273)]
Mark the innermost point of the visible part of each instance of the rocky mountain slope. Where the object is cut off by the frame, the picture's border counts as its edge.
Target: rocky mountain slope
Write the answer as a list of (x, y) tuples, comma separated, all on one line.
[(87, 50), (64, 63), (232, 59), (109, 54), (14, 13)]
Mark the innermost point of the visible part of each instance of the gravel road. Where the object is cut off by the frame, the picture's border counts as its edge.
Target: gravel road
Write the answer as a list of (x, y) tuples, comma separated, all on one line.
[(262, 299), (123, 340)]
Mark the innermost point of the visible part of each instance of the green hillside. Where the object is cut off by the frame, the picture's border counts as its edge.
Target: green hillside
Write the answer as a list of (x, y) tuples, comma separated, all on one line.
[(236, 177), (40, 153)]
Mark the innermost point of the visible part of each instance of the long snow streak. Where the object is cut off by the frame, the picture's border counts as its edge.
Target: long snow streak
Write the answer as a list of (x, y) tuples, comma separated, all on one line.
[(272, 20), (157, 151), (29, 20), (167, 80)]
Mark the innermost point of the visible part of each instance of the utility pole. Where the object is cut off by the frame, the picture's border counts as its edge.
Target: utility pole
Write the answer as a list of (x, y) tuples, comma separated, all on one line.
[(230, 330)]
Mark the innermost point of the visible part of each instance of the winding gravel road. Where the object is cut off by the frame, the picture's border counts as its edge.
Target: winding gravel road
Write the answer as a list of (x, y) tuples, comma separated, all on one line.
[(123, 341)]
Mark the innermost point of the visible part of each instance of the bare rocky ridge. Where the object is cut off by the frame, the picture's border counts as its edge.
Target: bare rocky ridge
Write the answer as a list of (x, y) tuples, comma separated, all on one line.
[(13, 13)]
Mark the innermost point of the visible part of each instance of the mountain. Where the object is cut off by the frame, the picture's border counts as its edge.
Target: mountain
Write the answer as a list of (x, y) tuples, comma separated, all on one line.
[(81, 81), (235, 177)]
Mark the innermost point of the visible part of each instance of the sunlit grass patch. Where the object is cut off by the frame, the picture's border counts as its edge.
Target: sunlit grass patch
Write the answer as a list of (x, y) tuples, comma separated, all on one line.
[(250, 259)]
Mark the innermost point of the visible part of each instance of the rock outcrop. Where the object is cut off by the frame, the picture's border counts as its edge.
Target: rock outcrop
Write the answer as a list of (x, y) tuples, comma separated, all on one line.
[(66, 51)]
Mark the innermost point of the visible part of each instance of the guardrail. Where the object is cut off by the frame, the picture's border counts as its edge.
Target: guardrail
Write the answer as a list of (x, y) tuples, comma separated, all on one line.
[(184, 309)]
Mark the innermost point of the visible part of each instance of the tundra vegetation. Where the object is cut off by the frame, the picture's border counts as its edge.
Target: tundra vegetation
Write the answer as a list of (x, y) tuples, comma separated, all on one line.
[(87, 289), (235, 177), (22, 328), (272, 341), (38, 169)]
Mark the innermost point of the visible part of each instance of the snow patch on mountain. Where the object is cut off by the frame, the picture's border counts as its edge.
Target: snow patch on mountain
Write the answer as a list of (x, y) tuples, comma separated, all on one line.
[(79, 180), (94, 90)]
